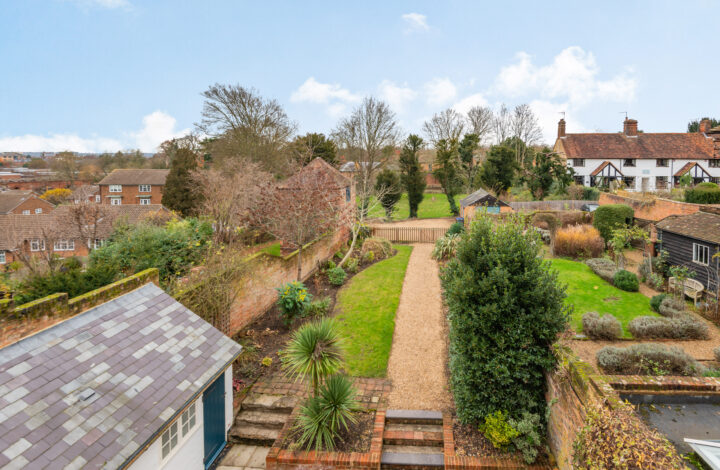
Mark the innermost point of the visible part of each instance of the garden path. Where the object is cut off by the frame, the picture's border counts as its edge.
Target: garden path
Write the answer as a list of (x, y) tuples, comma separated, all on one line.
[(418, 358)]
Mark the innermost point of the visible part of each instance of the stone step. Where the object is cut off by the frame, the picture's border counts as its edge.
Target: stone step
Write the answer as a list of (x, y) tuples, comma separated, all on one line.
[(413, 438), (413, 417), (413, 427), (264, 402), (405, 449), (415, 461), (261, 418), (253, 435)]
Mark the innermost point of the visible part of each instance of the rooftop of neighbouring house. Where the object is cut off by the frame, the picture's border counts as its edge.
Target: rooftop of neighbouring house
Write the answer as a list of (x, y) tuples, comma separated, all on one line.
[(9, 200), (85, 191), (94, 390), (701, 225), (136, 176), (320, 173)]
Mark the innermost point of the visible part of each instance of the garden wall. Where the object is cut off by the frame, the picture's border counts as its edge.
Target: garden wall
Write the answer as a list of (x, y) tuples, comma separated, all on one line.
[(651, 209), (563, 205)]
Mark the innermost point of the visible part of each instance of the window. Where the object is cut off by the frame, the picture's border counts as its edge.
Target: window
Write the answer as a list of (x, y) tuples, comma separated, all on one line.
[(661, 182), (64, 245), (144, 188), (347, 194), (144, 201), (178, 431), (629, 162), (579, 180), (2, 257), (115, 201), (115, 188), (97, 198), (578, 162), (187, 420), (714, 163), (38, 210), (701, 254), (37, 245), (26, 212), (629, 181), (169, 439), (661, 162)]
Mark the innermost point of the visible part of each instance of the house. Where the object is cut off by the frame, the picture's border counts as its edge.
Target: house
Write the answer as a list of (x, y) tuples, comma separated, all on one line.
[(692, 241), (139, 382), (133, 186), (59, 233), (23, 202), (484, 200), (86, 193), (641, 161)]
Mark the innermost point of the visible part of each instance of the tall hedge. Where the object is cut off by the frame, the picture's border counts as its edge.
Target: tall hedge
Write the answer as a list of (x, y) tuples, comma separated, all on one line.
[(610, 217), (505, 311), (703, 193)]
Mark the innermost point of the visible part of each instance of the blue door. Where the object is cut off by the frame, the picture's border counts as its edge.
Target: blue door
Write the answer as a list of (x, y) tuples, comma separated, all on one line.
[(214, 419)]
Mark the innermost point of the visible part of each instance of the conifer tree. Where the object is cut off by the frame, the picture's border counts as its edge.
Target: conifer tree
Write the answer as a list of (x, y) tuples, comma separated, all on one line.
[(412, 177), (179, 193)]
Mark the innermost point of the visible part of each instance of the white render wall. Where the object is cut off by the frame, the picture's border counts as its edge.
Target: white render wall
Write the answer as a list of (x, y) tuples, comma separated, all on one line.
[(190, 452), (644, 168)]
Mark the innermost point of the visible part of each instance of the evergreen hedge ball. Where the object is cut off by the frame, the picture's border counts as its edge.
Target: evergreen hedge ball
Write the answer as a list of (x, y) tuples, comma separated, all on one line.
[(626, 281), (610, 217)]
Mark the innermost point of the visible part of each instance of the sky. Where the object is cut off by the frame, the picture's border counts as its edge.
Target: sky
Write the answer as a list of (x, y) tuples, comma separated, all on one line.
[(106, 75)]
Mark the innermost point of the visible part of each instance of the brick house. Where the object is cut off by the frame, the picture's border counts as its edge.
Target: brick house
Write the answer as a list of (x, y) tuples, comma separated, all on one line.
[(86, 193), (133, 186), (23, 203), (57, 233), (641, 161)]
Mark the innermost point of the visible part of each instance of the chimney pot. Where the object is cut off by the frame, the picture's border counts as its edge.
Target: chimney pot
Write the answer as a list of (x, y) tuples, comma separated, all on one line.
[(561, 128), (704, 126), (630, 127)]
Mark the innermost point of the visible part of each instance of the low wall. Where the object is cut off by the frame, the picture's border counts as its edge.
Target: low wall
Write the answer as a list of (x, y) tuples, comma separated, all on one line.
[(653, 210), (19, 321), (563, 205)]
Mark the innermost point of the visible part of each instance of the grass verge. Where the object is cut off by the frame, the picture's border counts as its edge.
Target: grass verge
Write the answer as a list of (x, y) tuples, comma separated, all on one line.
[(433, 206)]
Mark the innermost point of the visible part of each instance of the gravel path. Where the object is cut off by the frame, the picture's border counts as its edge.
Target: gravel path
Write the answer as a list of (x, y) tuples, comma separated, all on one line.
[(418, 358)]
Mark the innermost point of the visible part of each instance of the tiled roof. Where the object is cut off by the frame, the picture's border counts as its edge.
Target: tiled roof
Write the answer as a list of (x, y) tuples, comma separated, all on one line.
[(478, 196), (85, 191), (689, 166), (9, 200), (321, 172), (646, 145), (94, 390), (700, 225), (136, 176)]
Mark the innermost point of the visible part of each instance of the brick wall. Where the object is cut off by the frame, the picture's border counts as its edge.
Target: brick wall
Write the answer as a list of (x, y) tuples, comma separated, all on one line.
[(130, 194), (40, 186), (652, 209)]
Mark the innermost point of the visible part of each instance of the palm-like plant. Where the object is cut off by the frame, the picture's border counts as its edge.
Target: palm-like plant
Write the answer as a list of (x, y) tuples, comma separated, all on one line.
[(315, 351)]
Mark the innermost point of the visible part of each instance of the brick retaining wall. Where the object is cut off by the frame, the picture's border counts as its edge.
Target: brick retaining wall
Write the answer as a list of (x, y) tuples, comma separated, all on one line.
[(653, 210)]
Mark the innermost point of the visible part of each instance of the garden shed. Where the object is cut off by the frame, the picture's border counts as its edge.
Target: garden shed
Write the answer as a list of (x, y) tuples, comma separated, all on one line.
[(485, 200)]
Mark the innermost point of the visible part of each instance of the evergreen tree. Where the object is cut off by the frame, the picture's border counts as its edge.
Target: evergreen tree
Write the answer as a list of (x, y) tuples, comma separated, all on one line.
[(412, 177), (547, 168), (498, 170), (307, 147), (179, 193), (447, 170), (388, 189), (466, 150)]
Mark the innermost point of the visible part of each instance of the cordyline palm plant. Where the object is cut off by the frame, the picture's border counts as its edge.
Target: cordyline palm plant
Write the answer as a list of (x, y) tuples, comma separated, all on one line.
[(315, 351)]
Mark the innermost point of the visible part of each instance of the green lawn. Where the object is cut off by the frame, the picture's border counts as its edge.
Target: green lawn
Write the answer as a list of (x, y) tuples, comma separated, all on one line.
[(590, 293), (366, 312), (434, 205)]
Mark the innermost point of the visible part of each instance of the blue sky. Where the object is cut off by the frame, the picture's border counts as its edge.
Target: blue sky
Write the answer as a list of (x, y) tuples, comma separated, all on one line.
[(94, 75)]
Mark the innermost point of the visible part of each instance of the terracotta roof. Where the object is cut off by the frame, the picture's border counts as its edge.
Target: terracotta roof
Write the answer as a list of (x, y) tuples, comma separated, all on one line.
[(322, 172), (9, 200), (646, 145), (687, 167), (602, 166), (136, 176), (700, 225)]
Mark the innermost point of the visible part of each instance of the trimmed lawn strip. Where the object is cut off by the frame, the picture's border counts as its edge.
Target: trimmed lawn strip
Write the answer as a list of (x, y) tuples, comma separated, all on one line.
[(366, 312), (590, 293), (428, 209)]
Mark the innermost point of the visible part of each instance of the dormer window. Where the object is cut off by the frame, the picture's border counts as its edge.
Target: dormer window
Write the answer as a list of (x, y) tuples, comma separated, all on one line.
[(629, 162)]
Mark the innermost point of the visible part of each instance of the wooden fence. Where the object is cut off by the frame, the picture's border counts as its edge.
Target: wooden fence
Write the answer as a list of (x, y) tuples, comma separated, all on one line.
[(409, 234)]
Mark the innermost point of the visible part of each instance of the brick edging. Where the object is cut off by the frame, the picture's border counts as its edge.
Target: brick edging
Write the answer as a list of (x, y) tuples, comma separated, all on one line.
[(635, 383)]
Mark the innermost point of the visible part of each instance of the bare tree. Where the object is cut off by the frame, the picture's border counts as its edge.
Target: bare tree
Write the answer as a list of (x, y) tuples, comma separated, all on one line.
[(36, 253), (502, 124), (169, 148), (89, 221), (524, 126), (244, 124), (228, 193), (447, 125), (480, 120)]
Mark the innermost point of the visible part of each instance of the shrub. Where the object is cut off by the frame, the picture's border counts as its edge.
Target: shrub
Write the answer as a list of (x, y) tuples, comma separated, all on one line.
[(596, 327), (647, 359), (505, 309), (352, 265), (545, 220), (380, 246), (445, 247), (703, 194), (579, 241), (684, 327), (617, 438), (73, 281), (498, 430), (368, 256), (530, 431), (329, 264), (610, 217), (336, 276), (590, 193), (626, 281), (266, 361), (318, 308), (293, 298), (672, 307), (603, 267), (455, 228), (656, 300)]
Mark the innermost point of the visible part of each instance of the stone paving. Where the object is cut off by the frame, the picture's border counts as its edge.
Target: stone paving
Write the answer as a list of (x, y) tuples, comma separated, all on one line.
[(244, 457)]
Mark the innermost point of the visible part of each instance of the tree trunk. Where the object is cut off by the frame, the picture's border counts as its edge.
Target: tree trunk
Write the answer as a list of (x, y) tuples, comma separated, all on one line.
[(352, 245), (299, 263)]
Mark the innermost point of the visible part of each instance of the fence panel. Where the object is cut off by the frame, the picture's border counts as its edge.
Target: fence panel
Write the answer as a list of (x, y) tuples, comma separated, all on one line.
[(409, 234)]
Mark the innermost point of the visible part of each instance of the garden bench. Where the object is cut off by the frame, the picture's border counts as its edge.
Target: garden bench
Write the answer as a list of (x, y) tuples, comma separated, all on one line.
[(693, 288)]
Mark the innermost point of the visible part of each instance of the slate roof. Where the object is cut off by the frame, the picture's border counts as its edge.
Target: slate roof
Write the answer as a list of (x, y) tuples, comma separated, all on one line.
[(319, 171), (9, 200), (478, 196), (700, 225), (136, 176), (138, 360), (691, 146)]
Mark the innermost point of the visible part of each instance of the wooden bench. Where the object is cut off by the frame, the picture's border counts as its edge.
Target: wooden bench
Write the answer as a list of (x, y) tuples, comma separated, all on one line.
[(693, 288)]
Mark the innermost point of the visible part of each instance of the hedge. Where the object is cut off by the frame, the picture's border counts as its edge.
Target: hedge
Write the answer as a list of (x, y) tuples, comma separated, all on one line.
[(703, 194), (611, 216)]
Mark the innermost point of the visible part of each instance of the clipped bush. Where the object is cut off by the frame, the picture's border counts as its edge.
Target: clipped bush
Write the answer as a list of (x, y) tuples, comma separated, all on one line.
[(368, 256), (603, 267), (606, 327), (579, 241), (445, 247), (545, 220), (610, 217), (318, 308), (591, 193), (683, 327), (626, 281), (336, 276), (498, 430), (672, 307), (647, 359), (380, 246), (656, 300), (293, 299), (455, 228), (703, 193)]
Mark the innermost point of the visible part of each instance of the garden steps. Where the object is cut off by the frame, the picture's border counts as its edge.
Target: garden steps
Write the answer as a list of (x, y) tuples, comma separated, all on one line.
[(263, 418), (412, 440), (253, 435), (266, 402)]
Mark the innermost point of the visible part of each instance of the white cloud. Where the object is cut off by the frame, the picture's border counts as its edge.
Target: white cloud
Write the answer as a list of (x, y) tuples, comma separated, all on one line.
[(109, 4), (415, 22), (157, 127), (313, 91), (440, 91), (398, 96), (465, 104)]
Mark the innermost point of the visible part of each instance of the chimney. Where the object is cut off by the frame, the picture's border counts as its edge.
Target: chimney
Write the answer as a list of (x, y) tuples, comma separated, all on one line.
[(630, 127), (704, 126), (561, 128)]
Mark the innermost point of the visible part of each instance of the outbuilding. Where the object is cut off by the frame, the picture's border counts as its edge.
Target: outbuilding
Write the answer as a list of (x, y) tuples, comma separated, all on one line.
[(484, 200)]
